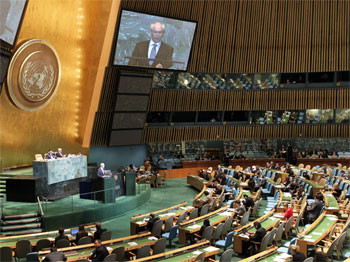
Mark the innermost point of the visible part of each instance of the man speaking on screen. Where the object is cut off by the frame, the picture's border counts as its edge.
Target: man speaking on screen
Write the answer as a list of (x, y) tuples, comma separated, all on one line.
[(153, 53)]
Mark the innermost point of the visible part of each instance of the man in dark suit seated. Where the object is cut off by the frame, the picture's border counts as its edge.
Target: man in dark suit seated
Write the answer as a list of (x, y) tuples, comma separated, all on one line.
[(61, 235), (100, 252), (257, 237), (99, 231), (154, 52), (55, 256), (151, 221), (248, 201), (313, 211), (50, 155)]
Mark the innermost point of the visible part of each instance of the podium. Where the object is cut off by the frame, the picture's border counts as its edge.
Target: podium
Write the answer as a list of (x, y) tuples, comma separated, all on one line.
[(106, 184), (130, 183)]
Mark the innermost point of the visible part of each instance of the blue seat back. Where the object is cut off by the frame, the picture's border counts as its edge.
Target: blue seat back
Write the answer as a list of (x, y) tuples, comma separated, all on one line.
[(309, 190), (229, 239), (173, 232)]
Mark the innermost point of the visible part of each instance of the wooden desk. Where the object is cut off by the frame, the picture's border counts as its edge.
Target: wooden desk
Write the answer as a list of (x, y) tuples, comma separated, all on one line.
[(316, 231), (129, 243), (185, 253), (194, 225), (331, 203), (33, 238), (140, 220), (268, 255)]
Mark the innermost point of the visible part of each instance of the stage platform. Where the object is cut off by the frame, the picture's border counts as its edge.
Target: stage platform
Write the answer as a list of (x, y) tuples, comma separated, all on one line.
[(73, 210)]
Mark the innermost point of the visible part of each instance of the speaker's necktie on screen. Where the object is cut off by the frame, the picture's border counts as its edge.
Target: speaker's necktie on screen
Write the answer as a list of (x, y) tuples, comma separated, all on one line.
[(153, 54)]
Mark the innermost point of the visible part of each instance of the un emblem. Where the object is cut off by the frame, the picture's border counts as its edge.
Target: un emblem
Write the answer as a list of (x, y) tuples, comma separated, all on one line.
[(34, 75)]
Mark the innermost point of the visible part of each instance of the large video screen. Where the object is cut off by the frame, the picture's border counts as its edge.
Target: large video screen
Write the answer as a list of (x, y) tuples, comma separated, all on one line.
[(152, 41), (11, 12)]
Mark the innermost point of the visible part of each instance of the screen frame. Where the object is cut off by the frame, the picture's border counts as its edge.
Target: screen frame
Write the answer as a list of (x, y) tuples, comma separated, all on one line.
[(115, 41), (7, 46)]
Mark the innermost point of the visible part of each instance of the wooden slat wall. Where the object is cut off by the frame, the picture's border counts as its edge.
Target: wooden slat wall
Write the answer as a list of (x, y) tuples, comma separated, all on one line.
[(104, 116), (227, 100), (246, 36), (196, 133)]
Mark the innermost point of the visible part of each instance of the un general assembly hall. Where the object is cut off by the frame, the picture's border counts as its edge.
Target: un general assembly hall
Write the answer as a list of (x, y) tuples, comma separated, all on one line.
[(175, 130)]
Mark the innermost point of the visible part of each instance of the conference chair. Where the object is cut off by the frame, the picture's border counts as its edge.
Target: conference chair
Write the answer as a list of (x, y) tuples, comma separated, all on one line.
[(43, 244), (152, 181), (106, 235), (119, 253), (23, 247), (279, 233), (288, 227), (110, 258), (143, 251), (295, 226), (62, 243), (227, 226), (171, 235), (207, 233), (194, 214), (159, 246), (200, 257), (6, 254), (84, 240), (157, 228), (159, 181), (263, 244), (272, 235), (181, 218), (204, 210), (168, 224), (326, 251), (226, 242), (226, 256), (339, 246), (217, 232), (32, 257)]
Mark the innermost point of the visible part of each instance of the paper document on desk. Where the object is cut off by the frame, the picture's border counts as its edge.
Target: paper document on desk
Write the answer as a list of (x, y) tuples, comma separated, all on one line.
[(210, 249), (109, 249), (197, 252), (132, 243), (226, 214), (51, 239), (284, 255), (278, 215), (243, 235), (140, 222), (184, 208), (153, 238), (317, 233), (194, 226), (287, 194)]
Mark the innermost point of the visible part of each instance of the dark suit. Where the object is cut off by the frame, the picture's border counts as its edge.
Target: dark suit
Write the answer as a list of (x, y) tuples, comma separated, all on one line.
[(99, 253), (259, 235), (80, 235), (313, 212), (60, 237), (151, 223), (100, 172), (55, 256), (98, 233), (165, 52)]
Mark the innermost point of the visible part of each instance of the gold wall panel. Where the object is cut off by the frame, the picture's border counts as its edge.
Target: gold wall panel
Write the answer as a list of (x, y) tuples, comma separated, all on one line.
[(76, 28)]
